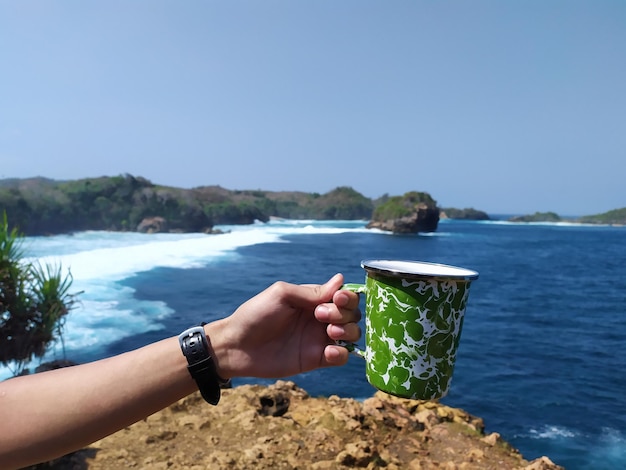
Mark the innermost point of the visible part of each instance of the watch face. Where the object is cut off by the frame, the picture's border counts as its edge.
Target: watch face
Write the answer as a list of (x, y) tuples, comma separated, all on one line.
[(195, 347), (194, 344)]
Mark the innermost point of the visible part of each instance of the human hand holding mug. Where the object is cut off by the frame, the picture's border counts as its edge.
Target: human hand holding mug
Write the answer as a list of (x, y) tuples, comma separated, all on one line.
[(413, 319)]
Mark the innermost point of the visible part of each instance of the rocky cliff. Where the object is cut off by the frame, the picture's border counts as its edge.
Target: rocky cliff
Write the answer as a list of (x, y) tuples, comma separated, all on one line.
[(422, 219), (411, 213), (281, 426), (40, 206)]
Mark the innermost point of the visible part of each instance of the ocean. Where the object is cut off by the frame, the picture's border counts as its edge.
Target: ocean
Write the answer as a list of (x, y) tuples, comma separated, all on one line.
[(542, 355)]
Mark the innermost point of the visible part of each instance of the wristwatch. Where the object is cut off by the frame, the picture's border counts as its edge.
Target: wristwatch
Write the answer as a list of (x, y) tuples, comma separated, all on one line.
[(195, 348)]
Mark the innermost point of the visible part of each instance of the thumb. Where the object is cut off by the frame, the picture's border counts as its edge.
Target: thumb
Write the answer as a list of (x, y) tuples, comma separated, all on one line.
[(331, 286), (314, 294)]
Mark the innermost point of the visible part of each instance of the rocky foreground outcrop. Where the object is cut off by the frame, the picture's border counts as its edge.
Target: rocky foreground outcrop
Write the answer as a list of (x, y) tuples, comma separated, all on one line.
[(282, 427)]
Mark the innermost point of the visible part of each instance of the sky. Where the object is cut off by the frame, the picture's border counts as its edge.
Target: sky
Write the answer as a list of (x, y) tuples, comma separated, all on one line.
[(510, 107)]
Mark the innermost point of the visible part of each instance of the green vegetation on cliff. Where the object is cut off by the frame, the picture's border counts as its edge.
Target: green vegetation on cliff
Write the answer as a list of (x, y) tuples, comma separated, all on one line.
[(42, 206), (537, 217), (411, 213), (401, 206), (342, 203), (465, 214), (614, 217)]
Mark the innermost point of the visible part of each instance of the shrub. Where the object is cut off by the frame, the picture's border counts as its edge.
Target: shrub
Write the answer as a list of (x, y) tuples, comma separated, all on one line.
[(396, 207), (34, 300)]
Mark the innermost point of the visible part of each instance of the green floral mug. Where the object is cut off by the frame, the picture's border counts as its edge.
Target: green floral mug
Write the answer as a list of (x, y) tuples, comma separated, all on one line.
[(413, 319)]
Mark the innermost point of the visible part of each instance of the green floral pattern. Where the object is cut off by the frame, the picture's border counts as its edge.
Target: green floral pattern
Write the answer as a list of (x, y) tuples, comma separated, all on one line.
[(413, 328)]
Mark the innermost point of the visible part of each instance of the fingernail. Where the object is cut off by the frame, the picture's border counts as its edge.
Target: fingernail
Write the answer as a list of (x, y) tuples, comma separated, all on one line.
[(332, 354), (322, 312), (336, 330), (341, 300)]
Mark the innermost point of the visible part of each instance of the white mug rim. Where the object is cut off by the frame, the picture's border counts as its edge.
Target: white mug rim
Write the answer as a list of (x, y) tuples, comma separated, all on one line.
[(421, 269)]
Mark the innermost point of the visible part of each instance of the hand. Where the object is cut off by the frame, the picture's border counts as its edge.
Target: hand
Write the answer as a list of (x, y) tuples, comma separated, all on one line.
[(287, 329), (284, 330)]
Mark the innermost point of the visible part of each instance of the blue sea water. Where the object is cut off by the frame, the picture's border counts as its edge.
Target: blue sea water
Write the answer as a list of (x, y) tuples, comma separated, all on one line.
[(542, 356)]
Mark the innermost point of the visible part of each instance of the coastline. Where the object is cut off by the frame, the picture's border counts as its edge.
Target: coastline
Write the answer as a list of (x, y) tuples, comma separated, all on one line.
[(281, 426), (582, 432)]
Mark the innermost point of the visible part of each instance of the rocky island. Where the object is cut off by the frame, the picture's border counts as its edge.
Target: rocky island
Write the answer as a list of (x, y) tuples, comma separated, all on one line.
[(537, 217), (469, 213), (615, 217), (411, 213), (281, 426)]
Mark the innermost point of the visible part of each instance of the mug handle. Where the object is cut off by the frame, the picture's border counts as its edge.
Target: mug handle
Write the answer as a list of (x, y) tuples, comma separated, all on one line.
[(352, 347)]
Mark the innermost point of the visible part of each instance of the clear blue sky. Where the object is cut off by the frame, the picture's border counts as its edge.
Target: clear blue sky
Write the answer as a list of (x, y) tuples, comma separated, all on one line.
[(505, 106)]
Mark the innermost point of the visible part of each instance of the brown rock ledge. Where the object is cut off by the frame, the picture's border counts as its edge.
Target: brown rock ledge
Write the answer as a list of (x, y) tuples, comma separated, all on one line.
[(282, 427)]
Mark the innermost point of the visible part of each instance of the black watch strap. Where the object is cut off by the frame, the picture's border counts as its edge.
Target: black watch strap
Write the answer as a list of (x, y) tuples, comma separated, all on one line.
[(195, 347)]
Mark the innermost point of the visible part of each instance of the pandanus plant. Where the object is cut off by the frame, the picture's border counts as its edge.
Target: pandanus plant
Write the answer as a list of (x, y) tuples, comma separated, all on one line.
[(34, 300)]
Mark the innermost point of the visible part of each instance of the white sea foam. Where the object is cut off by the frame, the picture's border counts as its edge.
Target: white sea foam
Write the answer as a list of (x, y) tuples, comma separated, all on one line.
[(562, 223), (98, 261), (552, 432), (612, 447), (606, 450)]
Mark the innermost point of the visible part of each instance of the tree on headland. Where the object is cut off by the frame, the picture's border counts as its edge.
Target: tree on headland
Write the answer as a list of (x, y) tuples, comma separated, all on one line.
[(612, 217), (537, 217), (34, 299), (40, 206)]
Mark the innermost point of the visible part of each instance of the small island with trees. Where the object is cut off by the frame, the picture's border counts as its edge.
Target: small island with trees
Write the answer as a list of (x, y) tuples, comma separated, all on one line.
[(614, 217)]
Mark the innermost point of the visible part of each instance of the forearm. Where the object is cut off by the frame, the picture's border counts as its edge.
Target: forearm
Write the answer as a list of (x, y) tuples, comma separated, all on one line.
[(279, 332), (49, 414)]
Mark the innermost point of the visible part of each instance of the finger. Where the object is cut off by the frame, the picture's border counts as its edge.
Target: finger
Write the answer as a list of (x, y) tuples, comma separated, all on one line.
[(346, 299), (349, 332), (330, 313), (334, 356), (311, 294), (331, 286)]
